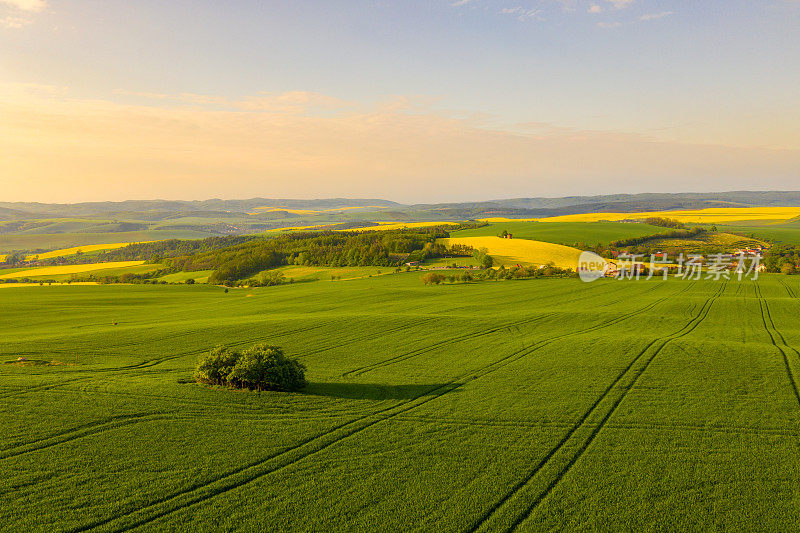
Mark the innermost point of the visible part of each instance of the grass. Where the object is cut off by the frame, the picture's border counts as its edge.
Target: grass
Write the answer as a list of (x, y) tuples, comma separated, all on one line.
[(200, 276), (564, 232), (113, 268), (522, 251), (724, 242), (783, 233), (317, 273), (536, 405), (449, 261)]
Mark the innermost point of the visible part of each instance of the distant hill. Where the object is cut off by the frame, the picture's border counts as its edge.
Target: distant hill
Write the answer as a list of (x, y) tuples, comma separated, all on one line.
[(621, 203), (156, 209), (513, 207), (35, 227)]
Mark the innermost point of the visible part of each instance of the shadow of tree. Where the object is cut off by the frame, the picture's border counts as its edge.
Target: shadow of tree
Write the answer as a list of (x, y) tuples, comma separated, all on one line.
[(374, 391)]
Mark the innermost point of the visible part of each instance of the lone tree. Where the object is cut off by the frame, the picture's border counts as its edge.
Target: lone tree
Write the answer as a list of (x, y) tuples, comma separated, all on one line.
[(260, 367), (483, 257)]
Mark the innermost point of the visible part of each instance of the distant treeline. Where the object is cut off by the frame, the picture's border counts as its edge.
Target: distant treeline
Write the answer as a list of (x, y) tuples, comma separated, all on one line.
[(236, 258), (500, 274), (665, 222), (783, 258), (330, 248), (158, 250)]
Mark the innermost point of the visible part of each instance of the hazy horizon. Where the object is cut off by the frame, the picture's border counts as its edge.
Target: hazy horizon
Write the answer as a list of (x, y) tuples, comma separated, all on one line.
[(365, 198)]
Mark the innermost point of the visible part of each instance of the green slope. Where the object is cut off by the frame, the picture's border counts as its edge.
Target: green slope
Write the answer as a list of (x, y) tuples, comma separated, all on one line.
[(539, 404), (568, 233)]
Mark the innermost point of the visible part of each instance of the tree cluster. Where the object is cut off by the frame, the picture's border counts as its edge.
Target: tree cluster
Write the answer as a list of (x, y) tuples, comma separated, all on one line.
[(329, 248), (260, 367), (782, 258), (499, 274), (665, 222)]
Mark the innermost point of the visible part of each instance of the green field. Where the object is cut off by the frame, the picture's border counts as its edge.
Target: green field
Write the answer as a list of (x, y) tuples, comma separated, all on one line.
[(315, 273), (567, 233), (54, 241), (533, 404), (787, 233), (200, 276)]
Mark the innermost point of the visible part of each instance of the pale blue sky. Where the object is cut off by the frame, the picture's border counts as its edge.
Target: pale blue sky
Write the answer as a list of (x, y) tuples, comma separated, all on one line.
[(714, 73)]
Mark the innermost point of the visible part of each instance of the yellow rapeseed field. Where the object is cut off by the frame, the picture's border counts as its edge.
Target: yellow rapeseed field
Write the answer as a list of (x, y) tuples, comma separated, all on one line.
[(522, 251), (401, 225), (708, 216), (36, 284), (84, 249), (70, 269)]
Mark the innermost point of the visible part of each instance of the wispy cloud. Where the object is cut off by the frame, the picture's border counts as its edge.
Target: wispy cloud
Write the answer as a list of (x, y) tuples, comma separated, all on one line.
[(609, 24), (286, 102), (654, 16), (26, 5), (458, 3), (595, 9), (14, 22), (130, 150), (523, 14), (620, 4), (15, 13)]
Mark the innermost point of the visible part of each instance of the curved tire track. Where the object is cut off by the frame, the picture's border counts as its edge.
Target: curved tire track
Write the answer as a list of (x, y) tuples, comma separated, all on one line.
[(657, 345)]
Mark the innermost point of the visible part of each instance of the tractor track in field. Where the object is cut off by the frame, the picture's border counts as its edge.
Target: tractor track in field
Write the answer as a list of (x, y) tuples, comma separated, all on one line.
[(142, 365), (157, 361), (256, 470), (774, 336), (402, 327), (475, 335), (659, 343), (512, 424), (82, 431), (790, 290), (39, 388)]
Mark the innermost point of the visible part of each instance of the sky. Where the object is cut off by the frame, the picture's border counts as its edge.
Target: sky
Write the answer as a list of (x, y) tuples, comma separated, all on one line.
[(412, 101)]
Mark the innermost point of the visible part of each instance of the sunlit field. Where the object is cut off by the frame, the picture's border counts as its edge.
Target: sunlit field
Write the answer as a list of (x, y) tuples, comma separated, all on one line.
[(69, 269), (88, 248), (708, 216), (590, 233), (497, 406), (522, 251)]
